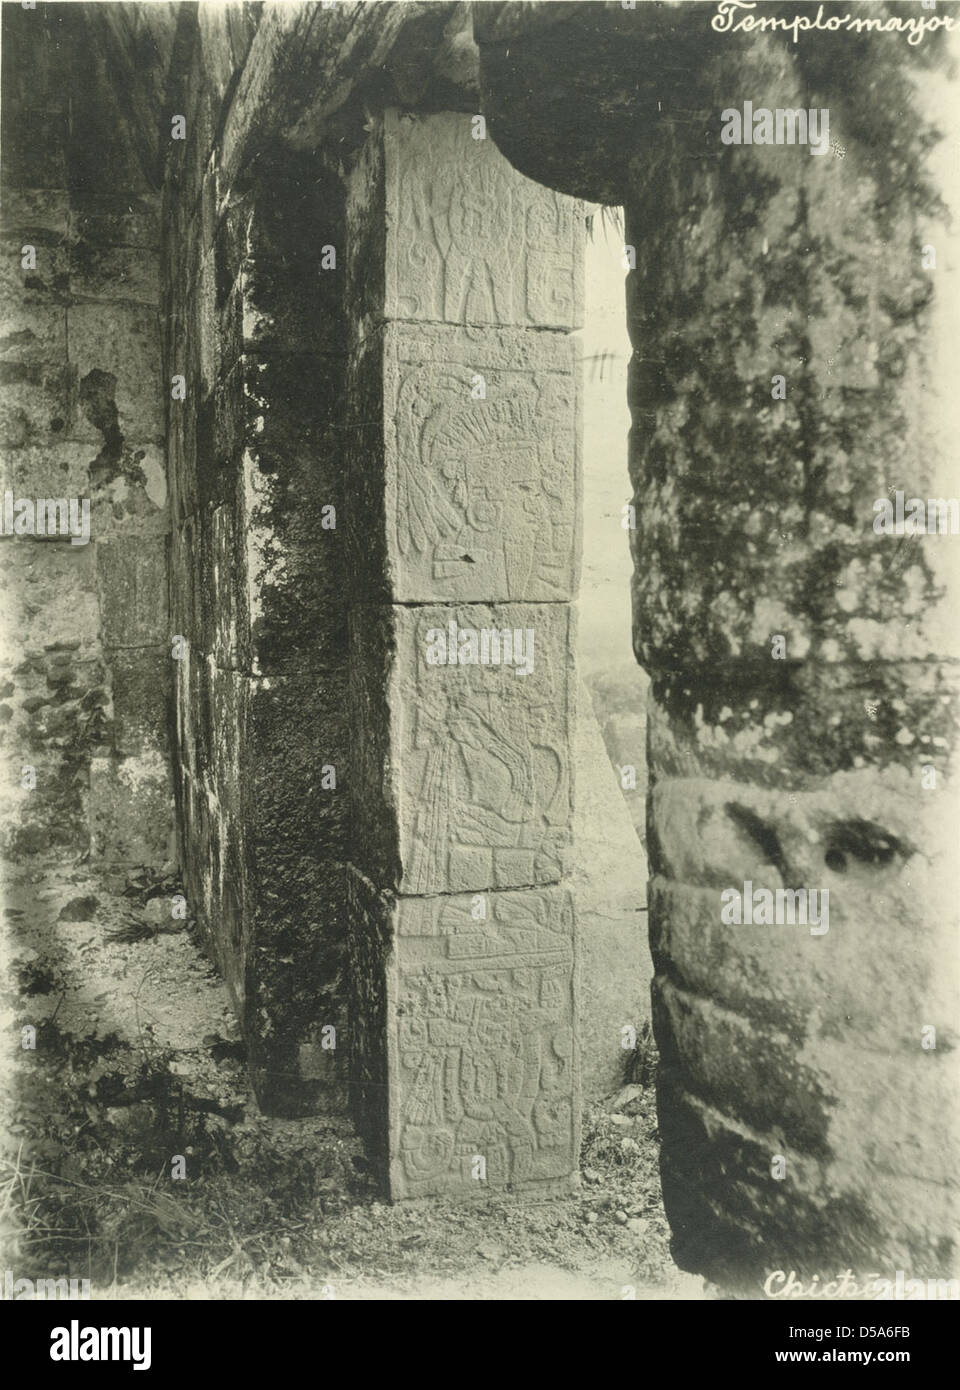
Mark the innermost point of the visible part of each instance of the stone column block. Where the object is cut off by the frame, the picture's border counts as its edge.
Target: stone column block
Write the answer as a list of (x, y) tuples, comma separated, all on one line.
[(465, 775), (452, 234), (478, 1000), (120, 341), (130, 802), (471, 443)]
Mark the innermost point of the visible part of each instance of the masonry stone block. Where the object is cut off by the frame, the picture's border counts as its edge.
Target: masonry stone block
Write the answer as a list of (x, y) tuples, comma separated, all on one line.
[(49, 279), (42, 213), (48, 593), (36, 149), (52, 470), (39, 403), (478, 1015), (120, 340), (481, 492), (142, 689), (845, 1212), (34, 334), (127, 492), (466, 778), (108, 219), (466, 238), (132, 590), (131, 801), (113, 274)]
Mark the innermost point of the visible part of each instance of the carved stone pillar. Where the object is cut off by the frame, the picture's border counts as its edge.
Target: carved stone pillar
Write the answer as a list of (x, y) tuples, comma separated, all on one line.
[(804, 684), (464, 284)]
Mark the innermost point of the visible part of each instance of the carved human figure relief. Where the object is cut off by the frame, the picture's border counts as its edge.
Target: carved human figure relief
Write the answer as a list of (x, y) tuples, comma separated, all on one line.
[(474, 241), (486, 1060)]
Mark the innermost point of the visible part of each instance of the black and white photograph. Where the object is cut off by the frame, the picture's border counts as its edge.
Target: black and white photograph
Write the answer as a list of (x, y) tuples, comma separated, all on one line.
[(479, 664)]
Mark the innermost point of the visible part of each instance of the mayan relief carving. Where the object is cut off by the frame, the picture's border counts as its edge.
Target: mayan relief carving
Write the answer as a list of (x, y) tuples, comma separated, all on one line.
[(475, 242), (485, 793), (483, 1046), (483, 505)]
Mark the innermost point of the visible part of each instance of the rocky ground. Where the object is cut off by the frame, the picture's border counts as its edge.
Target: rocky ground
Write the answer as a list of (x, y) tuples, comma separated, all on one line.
[(137, 1059)]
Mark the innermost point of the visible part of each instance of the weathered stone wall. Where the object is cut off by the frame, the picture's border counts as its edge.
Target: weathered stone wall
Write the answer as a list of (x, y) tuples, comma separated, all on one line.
[(85, 678), (257, 584)]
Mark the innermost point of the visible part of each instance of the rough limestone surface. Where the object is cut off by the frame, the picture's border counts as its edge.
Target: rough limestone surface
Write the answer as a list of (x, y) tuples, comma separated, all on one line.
[(806, 772)]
